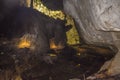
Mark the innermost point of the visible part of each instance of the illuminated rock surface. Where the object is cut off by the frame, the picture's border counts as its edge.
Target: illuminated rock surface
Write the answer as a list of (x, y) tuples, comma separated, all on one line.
[(98, 23)]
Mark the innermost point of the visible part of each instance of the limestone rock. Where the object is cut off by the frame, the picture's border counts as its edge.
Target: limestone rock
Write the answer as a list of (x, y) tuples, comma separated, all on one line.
[(98, 23)]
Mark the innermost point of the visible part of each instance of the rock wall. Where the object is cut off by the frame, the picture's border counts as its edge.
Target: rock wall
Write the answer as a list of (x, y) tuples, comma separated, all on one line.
[(98, 23), (95, 21)]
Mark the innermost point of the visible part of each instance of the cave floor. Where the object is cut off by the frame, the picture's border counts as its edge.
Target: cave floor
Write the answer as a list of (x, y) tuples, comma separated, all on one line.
[(68, 65)]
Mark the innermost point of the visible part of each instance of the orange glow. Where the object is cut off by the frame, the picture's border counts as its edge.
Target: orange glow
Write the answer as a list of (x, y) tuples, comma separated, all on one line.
[(53, 46), (24, 43)]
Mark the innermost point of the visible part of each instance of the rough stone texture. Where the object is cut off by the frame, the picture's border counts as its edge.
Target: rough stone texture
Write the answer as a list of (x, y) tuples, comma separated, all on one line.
[(106, 14), (115, 66), (98, 23), (82, 12)]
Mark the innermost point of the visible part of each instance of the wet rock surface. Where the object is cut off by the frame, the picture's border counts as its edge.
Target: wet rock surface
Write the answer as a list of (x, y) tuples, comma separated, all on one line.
[(69, 64)]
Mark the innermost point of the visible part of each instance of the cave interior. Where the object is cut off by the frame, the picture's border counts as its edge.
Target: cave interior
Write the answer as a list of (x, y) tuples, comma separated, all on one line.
[(18, 61)]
